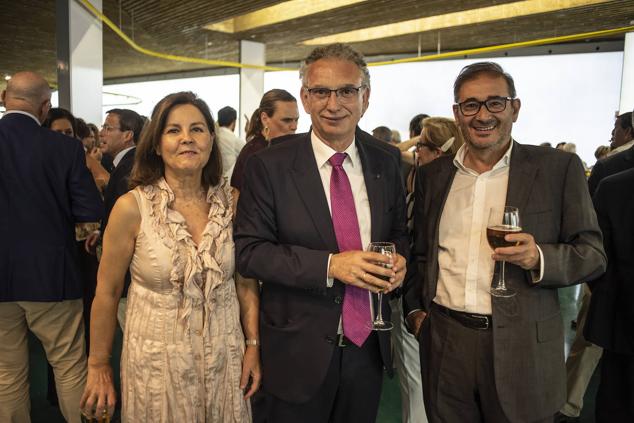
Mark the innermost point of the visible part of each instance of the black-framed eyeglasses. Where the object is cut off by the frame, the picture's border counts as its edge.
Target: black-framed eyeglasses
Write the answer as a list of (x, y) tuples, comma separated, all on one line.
[(344, 93), (493, 105), (421, 144)]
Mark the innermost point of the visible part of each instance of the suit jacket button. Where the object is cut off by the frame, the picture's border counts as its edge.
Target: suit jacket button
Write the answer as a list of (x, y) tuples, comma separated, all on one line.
[(338, 299), (330, 339)]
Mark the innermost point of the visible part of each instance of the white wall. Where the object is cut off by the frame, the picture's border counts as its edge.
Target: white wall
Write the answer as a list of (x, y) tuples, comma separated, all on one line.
[(570, 97)]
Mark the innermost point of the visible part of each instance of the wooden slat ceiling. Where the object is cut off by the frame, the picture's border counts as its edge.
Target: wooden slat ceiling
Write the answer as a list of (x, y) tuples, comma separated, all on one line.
[(177, 27)]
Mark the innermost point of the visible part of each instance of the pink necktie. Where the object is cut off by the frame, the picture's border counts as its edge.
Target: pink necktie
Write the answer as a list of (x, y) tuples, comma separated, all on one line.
[(356, 302)]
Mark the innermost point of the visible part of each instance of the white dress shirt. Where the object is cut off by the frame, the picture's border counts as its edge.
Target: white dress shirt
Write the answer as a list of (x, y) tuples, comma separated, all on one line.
[(624, 147), (119, 156), (354, 170), (230, 146), (464, 255)]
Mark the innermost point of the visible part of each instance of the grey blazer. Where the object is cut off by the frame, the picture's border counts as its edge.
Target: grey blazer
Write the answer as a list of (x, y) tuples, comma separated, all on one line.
[(550, 190)]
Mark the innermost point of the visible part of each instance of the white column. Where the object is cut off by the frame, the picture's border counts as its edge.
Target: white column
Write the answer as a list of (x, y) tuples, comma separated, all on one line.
[(627, 80), (251, 80), (80, 60)]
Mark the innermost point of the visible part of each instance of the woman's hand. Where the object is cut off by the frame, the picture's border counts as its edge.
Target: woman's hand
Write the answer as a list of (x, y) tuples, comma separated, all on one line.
[(251, 369), (99, 394)]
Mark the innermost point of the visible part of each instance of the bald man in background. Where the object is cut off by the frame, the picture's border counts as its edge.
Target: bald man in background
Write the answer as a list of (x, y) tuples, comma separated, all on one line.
[(45, 188)]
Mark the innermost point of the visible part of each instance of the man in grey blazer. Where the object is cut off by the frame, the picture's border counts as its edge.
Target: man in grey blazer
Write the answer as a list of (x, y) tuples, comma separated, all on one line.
[(486, 358)]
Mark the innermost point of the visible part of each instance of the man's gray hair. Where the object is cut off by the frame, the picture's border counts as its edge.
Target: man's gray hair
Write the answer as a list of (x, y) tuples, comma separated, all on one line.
[(336, 51)]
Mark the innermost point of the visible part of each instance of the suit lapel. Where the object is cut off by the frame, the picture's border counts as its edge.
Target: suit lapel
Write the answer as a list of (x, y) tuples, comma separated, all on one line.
[(306, 176), (521, 175), (373, 175)]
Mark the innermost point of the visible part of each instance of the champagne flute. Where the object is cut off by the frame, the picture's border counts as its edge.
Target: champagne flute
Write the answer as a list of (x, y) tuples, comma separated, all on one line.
[(387, 249), (502, 221)]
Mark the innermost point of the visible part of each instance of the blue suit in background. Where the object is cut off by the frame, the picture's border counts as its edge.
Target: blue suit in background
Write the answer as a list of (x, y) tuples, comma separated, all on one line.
[(45, 188)]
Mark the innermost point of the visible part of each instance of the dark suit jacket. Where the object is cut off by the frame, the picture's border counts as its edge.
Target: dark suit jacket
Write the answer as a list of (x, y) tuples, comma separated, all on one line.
[(45, 188), (609, 166), (549, 187), (610, 321), (117, 186), (284, 236)]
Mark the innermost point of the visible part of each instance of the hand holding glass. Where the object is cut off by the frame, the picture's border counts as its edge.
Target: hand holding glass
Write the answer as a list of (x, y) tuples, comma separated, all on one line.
[(502, 221), (387, 249)]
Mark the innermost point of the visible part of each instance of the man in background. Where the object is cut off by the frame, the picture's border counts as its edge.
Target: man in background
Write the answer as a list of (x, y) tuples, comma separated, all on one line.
[(45, 188), (119, 134), (229, 144)]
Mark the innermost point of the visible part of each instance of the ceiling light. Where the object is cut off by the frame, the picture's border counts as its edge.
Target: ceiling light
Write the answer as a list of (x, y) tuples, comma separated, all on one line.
[(279, 13), (464, 17)]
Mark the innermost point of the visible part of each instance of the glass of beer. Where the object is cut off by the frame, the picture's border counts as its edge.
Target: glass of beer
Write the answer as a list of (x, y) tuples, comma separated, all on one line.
[(502, 221)]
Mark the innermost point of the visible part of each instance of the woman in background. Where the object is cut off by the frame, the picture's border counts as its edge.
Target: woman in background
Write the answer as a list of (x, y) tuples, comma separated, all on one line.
[(63, 121), (276, 116)]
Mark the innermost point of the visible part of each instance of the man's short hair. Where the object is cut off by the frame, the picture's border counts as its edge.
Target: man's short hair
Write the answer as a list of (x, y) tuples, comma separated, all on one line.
[(416, 124), (473, 70), (336, 51), (383, 133), (129, 120), (625, 120), (226, 116)]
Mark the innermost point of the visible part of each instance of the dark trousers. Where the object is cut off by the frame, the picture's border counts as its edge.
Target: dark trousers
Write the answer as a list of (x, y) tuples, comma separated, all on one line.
[(350, 392), (615, 399), (457, 372)]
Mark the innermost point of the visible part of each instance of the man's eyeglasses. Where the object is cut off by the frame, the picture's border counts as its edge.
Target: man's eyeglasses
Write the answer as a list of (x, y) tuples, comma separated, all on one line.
[(343, 93), (493, 105), (109, 128), (429, 145)]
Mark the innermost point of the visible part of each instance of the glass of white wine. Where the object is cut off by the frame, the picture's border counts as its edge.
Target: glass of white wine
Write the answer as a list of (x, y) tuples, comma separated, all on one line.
[(387, 249)]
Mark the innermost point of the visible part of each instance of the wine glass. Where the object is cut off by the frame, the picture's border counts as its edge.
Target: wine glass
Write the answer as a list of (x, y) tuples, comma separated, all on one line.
[(387, 249), (502, 221)]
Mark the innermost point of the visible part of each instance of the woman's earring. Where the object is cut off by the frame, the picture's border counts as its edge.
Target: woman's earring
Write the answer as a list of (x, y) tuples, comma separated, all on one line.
[(266, 133)]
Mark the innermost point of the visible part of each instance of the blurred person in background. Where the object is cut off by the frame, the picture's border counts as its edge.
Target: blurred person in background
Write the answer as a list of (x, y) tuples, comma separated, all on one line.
[(119, 134), (229, 144), (382, 133), (277, 115), (439, 136), (601, 152), (396, 137)]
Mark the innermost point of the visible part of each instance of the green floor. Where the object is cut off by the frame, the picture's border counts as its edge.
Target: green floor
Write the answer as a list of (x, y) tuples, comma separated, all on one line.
[(389, 410)]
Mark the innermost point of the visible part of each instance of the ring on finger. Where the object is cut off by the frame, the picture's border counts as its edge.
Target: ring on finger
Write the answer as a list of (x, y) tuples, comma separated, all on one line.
[(363, 276)]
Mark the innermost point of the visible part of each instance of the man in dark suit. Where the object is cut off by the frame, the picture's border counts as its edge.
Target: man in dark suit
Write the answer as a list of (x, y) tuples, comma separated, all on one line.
[(45, 188), (488, 358), (118, 136), (623, 135), (610, 321), (308, 208), (584, 355)]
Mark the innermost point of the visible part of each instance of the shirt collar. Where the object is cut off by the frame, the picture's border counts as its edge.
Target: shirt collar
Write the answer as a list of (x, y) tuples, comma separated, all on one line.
[(22, 112), (120, 155), (623, 147), (504, 161), (323, 152)]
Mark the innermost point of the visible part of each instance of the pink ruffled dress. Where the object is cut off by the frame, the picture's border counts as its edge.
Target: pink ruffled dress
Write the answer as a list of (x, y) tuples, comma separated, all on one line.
[(183, 343)]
